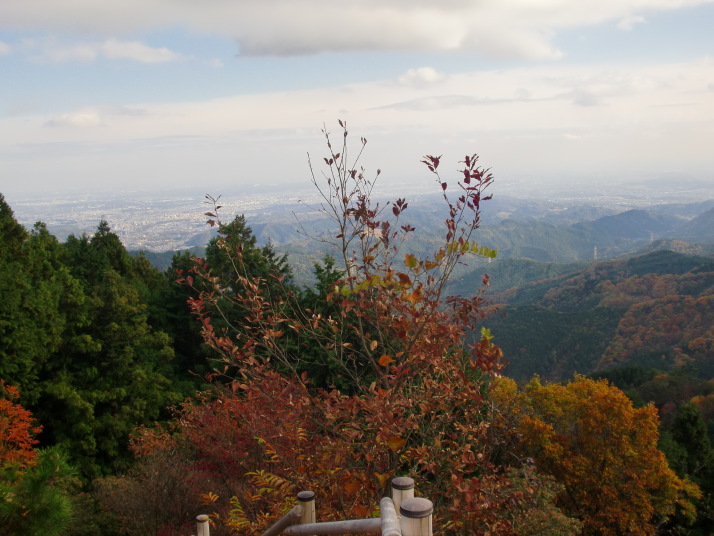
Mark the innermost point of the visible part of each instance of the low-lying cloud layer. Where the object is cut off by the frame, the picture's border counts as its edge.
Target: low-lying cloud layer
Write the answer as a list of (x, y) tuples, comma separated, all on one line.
[(506, 28), (556, 120), (52, 50)]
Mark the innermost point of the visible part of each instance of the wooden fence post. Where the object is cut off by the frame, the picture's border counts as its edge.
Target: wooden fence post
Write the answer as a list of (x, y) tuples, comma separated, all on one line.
[(416, 517), (307, 501), (402, 489), (202, 526)]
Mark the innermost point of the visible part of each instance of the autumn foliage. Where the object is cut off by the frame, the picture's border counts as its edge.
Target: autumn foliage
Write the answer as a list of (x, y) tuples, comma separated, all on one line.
[(374, 378), (414, 405), (35, 485), (17, 430), (591, 439)]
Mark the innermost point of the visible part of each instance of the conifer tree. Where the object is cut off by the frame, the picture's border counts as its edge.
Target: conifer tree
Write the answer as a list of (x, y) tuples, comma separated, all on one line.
[(37, 501), (113, 369), (35, 486), (690, 431)]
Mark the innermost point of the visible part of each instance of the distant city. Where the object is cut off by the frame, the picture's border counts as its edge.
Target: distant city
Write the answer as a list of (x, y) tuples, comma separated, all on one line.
[(167, 221), (151, 221)]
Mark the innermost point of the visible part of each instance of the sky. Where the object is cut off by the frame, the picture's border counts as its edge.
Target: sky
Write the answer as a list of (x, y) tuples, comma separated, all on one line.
[(162, 94)]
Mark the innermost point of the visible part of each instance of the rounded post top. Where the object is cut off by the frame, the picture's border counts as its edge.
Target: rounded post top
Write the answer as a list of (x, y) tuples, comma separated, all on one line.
[(416, 508), (402, 482), (306, 496), (203, 518)]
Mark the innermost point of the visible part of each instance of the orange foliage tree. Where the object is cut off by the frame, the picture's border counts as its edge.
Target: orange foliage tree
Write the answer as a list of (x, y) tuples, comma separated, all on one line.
[(588, 435), (36, 486), (17, 430)]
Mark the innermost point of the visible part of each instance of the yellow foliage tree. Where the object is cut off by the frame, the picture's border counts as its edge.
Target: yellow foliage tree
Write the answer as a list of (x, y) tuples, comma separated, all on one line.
[(602, 450)]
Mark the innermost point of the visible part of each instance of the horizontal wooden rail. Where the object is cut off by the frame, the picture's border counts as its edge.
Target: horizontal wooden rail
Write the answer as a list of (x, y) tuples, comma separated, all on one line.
[(352, 526), (415, 519), (292, 517)]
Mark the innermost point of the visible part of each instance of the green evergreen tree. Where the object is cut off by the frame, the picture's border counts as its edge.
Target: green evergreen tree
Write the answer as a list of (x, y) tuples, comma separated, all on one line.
[(38, 501), (110, 376), (690, 431), (12, 234), (237, 262), (327, 369), (17, 348), (192, 359), (112, 370), (91, 256), (39, 296), (688, 449), (236, 239), (78, 338)]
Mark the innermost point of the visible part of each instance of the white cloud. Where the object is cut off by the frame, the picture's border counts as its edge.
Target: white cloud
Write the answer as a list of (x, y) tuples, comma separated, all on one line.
[(489, 106), (93, 116), (436, 102), (421, 77), (630, 22), (134, 50), (583, 97), (52, 50), (81, 118), (517, 28), (4, 49)]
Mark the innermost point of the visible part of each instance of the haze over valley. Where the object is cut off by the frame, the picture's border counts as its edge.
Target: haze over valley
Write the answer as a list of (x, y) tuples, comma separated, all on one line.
[(173, 219)]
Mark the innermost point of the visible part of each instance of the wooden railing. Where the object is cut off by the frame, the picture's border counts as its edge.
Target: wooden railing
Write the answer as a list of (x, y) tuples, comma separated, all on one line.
[(401, 515)]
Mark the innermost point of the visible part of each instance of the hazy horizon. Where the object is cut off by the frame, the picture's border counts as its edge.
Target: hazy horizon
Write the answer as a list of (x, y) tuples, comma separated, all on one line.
[(160, 220)]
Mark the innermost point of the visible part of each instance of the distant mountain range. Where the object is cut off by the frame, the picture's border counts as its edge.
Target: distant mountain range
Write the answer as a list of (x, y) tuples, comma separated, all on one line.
[(535, 239), (580, 288)]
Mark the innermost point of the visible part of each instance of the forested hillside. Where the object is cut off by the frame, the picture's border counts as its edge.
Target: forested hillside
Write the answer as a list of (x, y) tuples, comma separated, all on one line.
[(644, 323), (133, 399), (653, 310)]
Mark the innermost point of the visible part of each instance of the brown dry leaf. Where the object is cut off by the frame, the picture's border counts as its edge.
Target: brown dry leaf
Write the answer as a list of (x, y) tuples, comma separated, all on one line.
[(353, 486), (383, 478), (395, 443), (385, 360), (360, 510)]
